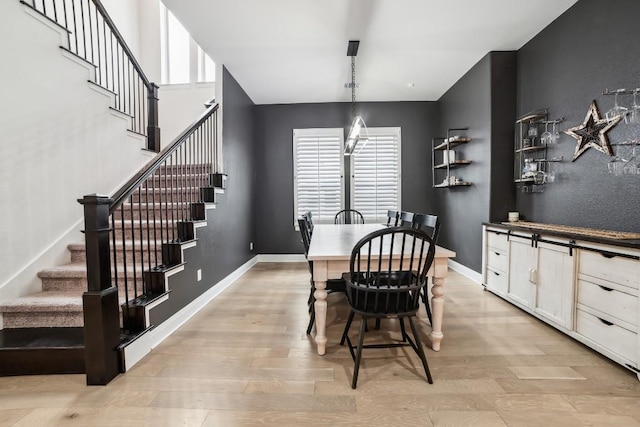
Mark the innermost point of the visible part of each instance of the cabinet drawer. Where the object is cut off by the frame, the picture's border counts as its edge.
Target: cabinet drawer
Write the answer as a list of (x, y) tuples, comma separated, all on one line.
[(612, 337), (497, 281), (497, 241), (623, 271), (497, 260), (609, 301)]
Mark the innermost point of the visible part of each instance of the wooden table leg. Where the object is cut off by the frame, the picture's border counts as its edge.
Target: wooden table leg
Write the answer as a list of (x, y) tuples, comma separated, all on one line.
[(321, 315), (437, 312)]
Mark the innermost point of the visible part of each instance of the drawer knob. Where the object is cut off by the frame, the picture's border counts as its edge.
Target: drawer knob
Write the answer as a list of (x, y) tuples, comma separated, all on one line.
[(606, 322), (497, 253), (605, 288), (497, 274)]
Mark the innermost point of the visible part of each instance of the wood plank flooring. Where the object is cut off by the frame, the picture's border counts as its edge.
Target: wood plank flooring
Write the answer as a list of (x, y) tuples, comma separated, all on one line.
[(245, 360)]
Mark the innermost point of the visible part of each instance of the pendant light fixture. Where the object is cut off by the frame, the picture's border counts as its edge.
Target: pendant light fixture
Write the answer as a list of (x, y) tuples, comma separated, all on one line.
[(358, 133)]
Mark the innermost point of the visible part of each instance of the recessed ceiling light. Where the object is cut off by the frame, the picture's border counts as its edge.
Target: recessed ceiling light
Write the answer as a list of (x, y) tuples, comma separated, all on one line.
[(410, 84)]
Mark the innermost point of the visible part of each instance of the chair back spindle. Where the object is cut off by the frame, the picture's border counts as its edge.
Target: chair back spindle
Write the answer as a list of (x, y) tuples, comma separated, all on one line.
[(349, 216)]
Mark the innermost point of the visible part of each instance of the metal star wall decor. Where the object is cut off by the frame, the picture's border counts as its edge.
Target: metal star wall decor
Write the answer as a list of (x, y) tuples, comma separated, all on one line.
[(592, 133)]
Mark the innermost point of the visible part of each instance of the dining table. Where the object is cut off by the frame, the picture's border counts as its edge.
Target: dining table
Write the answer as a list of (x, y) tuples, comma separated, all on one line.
[(330, 253)]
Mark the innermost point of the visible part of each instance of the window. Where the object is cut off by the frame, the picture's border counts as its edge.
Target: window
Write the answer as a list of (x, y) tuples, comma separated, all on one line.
[(375, 171), (318, 179), (174, 49), (206, 67)]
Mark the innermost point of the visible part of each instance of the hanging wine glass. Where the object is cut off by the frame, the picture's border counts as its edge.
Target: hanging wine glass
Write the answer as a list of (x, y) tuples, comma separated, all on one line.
[(555, 135), (550, 178), (545, 138), (617, 110), (634, 117), (616, 165), (532, 133), (631, 165)]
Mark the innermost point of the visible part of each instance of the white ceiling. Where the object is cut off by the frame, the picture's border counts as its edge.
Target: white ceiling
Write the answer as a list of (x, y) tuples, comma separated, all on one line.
[(291, 51)]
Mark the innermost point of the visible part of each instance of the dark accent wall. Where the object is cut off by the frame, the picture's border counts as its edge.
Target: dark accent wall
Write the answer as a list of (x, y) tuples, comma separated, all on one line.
[(223, 245), (275, 233), (593, 46), (483, 100)]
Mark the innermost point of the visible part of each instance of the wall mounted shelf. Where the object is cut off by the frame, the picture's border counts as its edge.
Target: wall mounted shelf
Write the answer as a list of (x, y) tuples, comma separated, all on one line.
[(453, 165), (448, 143), (457, 184), (532, 139), (443, 159)]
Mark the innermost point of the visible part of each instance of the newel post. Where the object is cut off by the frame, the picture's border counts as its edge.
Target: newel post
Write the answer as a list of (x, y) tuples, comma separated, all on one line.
[(153, 131), (100, 302)]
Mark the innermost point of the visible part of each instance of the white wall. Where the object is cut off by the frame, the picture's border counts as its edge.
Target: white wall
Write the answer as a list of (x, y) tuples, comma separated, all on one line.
[(179, 106), (126, 15), (58, 142), (149, 33)]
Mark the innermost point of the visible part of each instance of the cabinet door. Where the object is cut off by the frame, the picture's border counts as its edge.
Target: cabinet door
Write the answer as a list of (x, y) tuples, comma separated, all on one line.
[(522, 262), (554, 287)]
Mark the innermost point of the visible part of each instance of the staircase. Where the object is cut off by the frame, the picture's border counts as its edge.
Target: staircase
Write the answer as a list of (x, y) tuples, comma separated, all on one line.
[(152, 218), (48, 324)]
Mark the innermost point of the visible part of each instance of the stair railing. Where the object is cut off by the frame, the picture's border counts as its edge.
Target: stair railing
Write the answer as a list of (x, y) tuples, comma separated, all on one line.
[(93, 37), (132, 239)]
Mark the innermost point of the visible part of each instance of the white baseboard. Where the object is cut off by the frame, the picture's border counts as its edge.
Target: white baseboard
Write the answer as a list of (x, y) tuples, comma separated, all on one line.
[(139, 348), (466, 271), (281, 258)]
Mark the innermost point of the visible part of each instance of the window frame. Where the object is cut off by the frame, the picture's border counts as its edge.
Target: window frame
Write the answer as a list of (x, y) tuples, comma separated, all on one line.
[(165, 47), (203, 68)]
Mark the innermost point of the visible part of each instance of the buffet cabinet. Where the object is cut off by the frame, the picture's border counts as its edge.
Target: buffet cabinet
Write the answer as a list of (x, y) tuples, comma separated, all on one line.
[(588, 290)]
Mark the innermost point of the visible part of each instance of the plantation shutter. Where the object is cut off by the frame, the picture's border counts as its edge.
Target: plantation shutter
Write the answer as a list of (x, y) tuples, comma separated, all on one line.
[(318, 165), (376, 175)]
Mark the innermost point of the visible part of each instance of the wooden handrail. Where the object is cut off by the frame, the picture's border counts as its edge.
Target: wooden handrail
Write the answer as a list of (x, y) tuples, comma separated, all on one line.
[(127, 189)]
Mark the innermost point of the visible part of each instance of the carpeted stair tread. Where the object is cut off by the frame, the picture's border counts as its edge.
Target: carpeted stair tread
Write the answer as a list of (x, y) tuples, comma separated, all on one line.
[(72, 270), (49, 301), (128, 244), (79, 270)]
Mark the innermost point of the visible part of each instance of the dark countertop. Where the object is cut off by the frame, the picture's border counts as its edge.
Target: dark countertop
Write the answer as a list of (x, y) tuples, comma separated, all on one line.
[(627, 243)]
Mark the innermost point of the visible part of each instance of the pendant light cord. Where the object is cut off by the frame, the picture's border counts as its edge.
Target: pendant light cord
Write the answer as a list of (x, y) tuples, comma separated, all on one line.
[(353, 87)]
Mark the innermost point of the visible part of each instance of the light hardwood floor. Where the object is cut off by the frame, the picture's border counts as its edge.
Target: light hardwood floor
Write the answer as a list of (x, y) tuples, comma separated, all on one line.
[(245, 360)]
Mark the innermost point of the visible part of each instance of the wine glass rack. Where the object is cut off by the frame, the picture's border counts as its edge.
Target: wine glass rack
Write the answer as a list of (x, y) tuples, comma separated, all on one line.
[(531, 163)]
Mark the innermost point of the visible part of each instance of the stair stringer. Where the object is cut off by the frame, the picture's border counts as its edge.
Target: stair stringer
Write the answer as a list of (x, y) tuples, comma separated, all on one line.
[(158, 279)]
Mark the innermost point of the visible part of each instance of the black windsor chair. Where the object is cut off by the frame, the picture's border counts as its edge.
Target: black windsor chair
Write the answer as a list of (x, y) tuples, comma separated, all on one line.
[(333, 285), (388, 270), (431, 225)]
